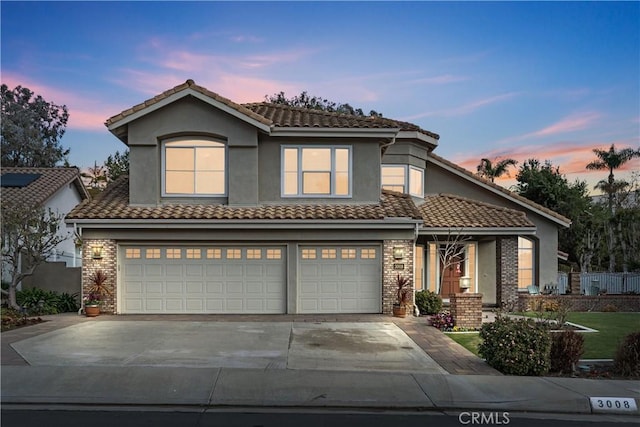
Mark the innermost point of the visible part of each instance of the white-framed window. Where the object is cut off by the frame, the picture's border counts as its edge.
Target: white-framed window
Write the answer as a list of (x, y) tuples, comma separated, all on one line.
[(403, 179), (193, 167), (318, 171), (526, 252)]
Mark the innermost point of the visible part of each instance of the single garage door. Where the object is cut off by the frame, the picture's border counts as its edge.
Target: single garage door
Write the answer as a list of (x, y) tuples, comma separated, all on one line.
[(340, 279), (202, 279)]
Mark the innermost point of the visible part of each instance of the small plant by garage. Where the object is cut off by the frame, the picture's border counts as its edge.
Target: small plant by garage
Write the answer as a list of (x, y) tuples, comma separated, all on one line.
[(403, 296)]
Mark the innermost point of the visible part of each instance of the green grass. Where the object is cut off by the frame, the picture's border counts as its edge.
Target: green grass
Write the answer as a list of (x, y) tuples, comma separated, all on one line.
[(612, 328), (469, 341)]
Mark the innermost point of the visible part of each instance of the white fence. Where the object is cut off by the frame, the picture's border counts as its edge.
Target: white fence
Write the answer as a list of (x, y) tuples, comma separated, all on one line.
[(612, 283)]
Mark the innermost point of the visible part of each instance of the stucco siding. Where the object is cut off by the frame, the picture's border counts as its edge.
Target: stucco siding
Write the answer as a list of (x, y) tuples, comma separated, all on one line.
[(365, 164), (62, 202)]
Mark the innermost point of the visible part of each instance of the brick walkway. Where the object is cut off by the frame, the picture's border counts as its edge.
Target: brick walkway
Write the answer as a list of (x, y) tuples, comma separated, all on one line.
[(454, 358)]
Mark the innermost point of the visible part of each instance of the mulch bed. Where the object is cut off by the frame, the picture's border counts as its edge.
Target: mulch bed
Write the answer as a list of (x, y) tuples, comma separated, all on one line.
[(12, 320)]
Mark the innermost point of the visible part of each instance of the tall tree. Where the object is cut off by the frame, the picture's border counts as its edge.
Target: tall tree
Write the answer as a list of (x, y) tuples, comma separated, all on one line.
[(29, 235), (487, 169), (117, 165), (545, 185), (611, 160), (304, 100), (31, 129)]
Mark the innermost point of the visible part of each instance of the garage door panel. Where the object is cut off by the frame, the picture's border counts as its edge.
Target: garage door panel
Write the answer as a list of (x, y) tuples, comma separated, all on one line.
[(194, 270), (174, 271), (351, 282), (153, 270), (214, 279)]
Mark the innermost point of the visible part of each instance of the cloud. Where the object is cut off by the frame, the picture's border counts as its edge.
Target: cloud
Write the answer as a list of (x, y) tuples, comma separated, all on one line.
[(466, 108), (572, 123), (85, 112)]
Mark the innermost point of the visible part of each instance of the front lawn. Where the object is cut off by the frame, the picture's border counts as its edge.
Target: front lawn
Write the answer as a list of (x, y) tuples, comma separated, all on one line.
[(612, 328)]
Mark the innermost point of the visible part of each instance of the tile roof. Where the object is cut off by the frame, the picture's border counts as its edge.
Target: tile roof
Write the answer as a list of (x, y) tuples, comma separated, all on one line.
[(189, 84), (39, 191), (113, 203), (286, 116), (276, 115), (451, 211), (501, 189)]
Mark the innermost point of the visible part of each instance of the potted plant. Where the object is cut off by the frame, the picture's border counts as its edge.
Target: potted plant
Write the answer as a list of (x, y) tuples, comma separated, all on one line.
[(402, 296), (98, 288)]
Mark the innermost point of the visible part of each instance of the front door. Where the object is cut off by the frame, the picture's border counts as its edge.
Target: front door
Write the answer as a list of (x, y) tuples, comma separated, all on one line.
[(451, 276)]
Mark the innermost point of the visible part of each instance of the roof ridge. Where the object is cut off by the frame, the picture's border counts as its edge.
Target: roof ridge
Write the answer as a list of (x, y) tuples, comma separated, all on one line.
[(313, 110)]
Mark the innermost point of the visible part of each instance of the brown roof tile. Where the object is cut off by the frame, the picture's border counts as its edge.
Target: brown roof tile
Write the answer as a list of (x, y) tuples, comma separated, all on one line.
[(286, 116), (39, 191), (450, 211), (281, 115), (113, 203), (501, 189)]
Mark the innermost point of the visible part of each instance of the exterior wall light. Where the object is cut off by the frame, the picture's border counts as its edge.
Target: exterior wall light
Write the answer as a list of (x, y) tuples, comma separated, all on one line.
[(96, 252), (398, 252), (465, 283)]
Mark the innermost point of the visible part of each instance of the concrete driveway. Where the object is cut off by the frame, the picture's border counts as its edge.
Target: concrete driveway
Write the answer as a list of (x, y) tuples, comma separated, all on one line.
[(377, 346)]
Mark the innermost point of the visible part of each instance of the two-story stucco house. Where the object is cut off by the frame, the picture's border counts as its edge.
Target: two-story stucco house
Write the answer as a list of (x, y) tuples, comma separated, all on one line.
[(264, 208)]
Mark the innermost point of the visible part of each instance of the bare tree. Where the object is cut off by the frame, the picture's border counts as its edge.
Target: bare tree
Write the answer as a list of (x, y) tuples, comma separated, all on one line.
[(451, 250), (29, 236)]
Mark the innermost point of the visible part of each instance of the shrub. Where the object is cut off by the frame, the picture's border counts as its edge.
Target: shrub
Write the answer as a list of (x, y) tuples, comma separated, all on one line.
[(443, 321), (566, 349), (68, 303), (610, 308), (626, 362), (38, 301), (516, 347), (428, 302)]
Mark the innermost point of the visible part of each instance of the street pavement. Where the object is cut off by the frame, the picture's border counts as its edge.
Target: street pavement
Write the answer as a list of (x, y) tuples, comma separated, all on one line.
[(61, 370)]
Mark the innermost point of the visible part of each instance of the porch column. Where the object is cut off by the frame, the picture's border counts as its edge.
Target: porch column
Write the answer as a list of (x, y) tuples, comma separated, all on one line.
[(507, 272)]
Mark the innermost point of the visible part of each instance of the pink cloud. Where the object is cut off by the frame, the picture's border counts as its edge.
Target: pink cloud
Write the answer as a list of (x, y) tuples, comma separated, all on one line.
[(569, 124), (85, 113), (466, 108)]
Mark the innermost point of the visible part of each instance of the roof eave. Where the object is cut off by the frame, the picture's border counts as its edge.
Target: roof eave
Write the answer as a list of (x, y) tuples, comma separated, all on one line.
[(429, 140), (334, 132), (393, 223), (477, 231)]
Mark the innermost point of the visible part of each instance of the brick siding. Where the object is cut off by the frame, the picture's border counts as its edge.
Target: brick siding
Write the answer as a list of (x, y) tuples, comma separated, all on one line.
[(507, 271), (527, 302), (108, 265), (389, 274), (466, 309)]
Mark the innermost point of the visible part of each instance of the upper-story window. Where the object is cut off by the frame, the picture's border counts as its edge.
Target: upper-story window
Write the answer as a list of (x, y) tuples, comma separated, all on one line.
[(194, 167), (316, 171), (401, 178)]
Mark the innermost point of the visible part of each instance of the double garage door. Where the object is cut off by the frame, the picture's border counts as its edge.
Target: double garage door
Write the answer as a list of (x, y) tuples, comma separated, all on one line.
[(248, 279)]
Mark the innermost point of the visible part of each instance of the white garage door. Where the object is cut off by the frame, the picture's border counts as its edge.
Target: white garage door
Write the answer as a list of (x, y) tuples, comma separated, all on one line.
[(340, 279), (190, 279)]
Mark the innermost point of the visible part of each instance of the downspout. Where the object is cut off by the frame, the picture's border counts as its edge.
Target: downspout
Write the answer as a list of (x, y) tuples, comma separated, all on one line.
[(77, 231)]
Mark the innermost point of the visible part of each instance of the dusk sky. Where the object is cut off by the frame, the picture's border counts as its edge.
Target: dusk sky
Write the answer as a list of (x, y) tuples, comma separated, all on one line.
[(546, 80)]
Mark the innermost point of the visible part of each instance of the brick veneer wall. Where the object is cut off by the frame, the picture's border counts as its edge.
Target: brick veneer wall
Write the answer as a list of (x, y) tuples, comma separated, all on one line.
[(108, 265), (574, 283), (507, 271), (466, 309), (389, 274), (583, 302)]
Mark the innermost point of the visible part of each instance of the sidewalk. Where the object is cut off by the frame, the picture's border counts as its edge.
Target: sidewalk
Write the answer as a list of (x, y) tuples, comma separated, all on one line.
[(470, 384)]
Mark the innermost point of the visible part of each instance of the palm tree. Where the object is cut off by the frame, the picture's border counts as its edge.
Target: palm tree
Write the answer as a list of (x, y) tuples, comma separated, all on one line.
[(488, 170), (611, 160)]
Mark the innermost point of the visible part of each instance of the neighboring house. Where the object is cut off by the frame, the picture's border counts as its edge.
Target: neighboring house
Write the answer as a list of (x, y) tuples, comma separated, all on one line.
[(57, 189), (265, 208)]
